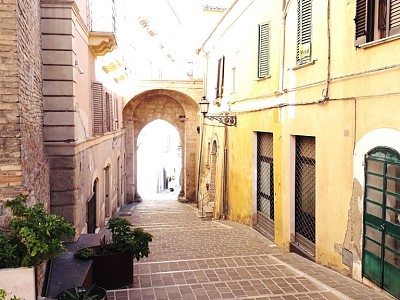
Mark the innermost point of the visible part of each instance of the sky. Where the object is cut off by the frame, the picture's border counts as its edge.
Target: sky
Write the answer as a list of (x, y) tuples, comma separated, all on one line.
[(166, 33)]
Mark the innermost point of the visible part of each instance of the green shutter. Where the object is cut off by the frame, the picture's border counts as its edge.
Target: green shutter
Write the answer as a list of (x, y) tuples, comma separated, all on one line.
[(394, 22), (360, 22), (263, 50), (304, 22)]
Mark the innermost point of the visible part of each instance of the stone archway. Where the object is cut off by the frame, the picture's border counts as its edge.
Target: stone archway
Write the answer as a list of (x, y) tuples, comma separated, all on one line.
[(176, 108)]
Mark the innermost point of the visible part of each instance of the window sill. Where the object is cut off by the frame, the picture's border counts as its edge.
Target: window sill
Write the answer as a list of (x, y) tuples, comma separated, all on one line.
[(378, 42), (303, 65), (264, 78)]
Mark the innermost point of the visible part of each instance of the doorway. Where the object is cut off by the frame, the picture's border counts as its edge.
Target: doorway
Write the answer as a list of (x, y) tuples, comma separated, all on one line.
[(159, 156), (381, 237), (304, 238), (265, 185), (91, 209)]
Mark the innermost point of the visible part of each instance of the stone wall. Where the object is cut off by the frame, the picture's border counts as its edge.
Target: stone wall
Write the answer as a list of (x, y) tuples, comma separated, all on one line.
[(10, 145), (23, 166), (181, 111)]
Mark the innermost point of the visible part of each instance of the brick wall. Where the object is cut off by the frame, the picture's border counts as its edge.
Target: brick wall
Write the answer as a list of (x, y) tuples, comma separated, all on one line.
[(23, 166)]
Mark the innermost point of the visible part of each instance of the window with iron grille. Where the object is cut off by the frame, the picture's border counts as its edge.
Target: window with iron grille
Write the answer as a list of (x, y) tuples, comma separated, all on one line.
[(304, 22), (263, 50), (265, 174), (305, 190), (376, 19), (99, 109), (220, 77)]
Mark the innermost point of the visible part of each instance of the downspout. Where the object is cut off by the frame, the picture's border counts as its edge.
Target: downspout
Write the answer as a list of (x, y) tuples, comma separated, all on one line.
[(202, 129), (325, 93), (224, 176), (200, 162), (285, 5)]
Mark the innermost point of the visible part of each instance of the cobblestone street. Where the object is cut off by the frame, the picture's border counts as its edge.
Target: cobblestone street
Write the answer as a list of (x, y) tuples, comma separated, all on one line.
[(192, 259)]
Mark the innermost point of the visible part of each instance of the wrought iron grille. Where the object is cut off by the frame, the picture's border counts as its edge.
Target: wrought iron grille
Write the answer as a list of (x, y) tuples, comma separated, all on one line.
[(265, 174), (305, 187)]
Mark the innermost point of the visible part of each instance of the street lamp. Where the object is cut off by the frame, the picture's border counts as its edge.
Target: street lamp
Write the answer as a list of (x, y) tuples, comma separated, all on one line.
[(224, 119)]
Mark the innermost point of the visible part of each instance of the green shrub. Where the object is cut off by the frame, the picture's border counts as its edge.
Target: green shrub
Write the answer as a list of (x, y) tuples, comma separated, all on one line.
[(34, 236)]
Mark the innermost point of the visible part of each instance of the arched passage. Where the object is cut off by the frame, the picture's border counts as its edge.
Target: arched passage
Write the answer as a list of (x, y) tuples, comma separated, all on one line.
[(178, 109), (159, 156)]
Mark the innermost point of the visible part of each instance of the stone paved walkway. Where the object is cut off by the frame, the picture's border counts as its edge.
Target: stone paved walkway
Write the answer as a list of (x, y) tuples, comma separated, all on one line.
[(192, 259)]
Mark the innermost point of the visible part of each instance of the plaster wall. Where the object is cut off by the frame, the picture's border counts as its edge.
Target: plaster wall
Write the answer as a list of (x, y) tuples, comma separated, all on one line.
[(344, 95), (77, 158)]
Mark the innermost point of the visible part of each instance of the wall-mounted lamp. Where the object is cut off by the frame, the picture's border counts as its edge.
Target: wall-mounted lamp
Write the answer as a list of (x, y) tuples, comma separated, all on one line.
[(224, 119), (78, 67)]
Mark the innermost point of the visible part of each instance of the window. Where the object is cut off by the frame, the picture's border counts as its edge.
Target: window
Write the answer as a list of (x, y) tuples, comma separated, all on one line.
[(116, 113), (263, 50), (105, 118), (303, 53), (376, 19), (220, 78), (99, 109), (109, 113)]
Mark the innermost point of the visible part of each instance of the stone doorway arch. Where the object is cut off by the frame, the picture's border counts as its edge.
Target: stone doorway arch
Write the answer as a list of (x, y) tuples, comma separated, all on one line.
[(176, 108)]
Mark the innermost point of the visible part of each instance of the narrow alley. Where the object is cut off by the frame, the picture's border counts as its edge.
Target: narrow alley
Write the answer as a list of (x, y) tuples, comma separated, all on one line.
[(195, 259)]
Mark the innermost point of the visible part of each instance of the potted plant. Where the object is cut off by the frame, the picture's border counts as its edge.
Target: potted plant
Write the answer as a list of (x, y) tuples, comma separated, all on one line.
[(31, 237), (113, 259), (83, 293)]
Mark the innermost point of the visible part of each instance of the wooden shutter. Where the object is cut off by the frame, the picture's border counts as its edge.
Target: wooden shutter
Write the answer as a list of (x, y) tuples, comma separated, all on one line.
[(304, 23), (98, 108), (109, 112), (116, 111), (394, 17), (360, 22), (263, 51), (220, 77)]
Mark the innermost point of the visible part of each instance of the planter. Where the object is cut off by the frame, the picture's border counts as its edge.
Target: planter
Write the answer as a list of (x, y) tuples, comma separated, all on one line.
[(97, 291), (19, 282), (113, 271)]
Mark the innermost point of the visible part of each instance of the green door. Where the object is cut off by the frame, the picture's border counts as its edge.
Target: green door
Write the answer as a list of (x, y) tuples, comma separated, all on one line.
[(381, 243)]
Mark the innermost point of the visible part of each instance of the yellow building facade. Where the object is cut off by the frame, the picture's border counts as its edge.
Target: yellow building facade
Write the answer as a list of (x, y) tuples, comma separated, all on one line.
[(313, 161)]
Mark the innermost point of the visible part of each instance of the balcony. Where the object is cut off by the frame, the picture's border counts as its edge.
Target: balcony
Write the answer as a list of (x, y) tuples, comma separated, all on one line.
[(102, 26)]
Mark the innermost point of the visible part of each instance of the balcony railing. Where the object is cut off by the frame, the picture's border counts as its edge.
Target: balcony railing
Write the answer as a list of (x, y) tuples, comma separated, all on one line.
[(102, 16), (102, 26)]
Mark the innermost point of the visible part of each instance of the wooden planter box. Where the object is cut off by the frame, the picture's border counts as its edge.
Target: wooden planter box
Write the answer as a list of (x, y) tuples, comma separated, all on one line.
[(113, 271), (19, 282)]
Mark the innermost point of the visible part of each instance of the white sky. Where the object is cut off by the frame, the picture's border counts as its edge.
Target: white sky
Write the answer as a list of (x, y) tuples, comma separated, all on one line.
[(180, 26)]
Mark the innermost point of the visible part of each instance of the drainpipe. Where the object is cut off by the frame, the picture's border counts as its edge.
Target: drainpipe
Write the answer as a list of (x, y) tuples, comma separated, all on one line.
[(200, 161), (285, 6), (225, 186), (325, 93), (224, 176)]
